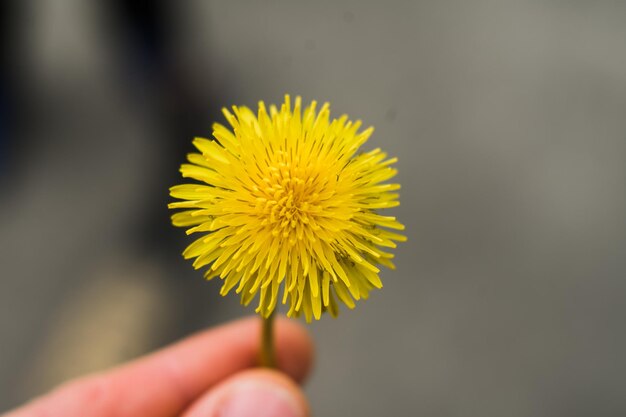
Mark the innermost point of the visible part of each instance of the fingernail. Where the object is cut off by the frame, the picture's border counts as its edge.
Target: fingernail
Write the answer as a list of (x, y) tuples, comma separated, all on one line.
[(260, 400)]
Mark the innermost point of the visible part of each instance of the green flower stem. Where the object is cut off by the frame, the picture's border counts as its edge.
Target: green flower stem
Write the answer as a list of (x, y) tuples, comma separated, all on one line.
[(268, 355)]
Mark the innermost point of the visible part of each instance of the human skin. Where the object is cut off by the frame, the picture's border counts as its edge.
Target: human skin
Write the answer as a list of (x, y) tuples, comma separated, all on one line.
[(212, 373)]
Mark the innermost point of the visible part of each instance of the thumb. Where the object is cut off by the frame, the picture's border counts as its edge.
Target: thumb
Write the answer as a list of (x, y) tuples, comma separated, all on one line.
[(253, 393)]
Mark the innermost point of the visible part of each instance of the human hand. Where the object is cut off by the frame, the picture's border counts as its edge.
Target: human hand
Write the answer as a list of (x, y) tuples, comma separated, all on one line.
[(209, 374)]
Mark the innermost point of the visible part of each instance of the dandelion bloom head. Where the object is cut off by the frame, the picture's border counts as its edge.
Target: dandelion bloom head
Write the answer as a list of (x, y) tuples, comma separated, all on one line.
[(285, 200)]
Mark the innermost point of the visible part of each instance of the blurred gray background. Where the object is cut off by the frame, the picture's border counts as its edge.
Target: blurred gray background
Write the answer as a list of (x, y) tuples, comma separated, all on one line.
[(509, 119)]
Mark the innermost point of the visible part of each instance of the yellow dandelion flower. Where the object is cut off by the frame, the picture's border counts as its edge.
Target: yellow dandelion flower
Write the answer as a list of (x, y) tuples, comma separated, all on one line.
[(285, 200)]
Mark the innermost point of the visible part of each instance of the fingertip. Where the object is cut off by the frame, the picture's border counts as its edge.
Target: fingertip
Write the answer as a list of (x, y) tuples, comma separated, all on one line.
[(295, 350), (256, 392)]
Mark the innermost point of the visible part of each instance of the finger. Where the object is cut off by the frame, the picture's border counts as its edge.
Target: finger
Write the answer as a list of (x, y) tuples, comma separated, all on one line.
[(164, 383), (253, 393)]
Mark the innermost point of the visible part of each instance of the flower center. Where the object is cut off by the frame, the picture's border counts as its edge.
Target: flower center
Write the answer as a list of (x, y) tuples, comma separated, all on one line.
[(288, 200)]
